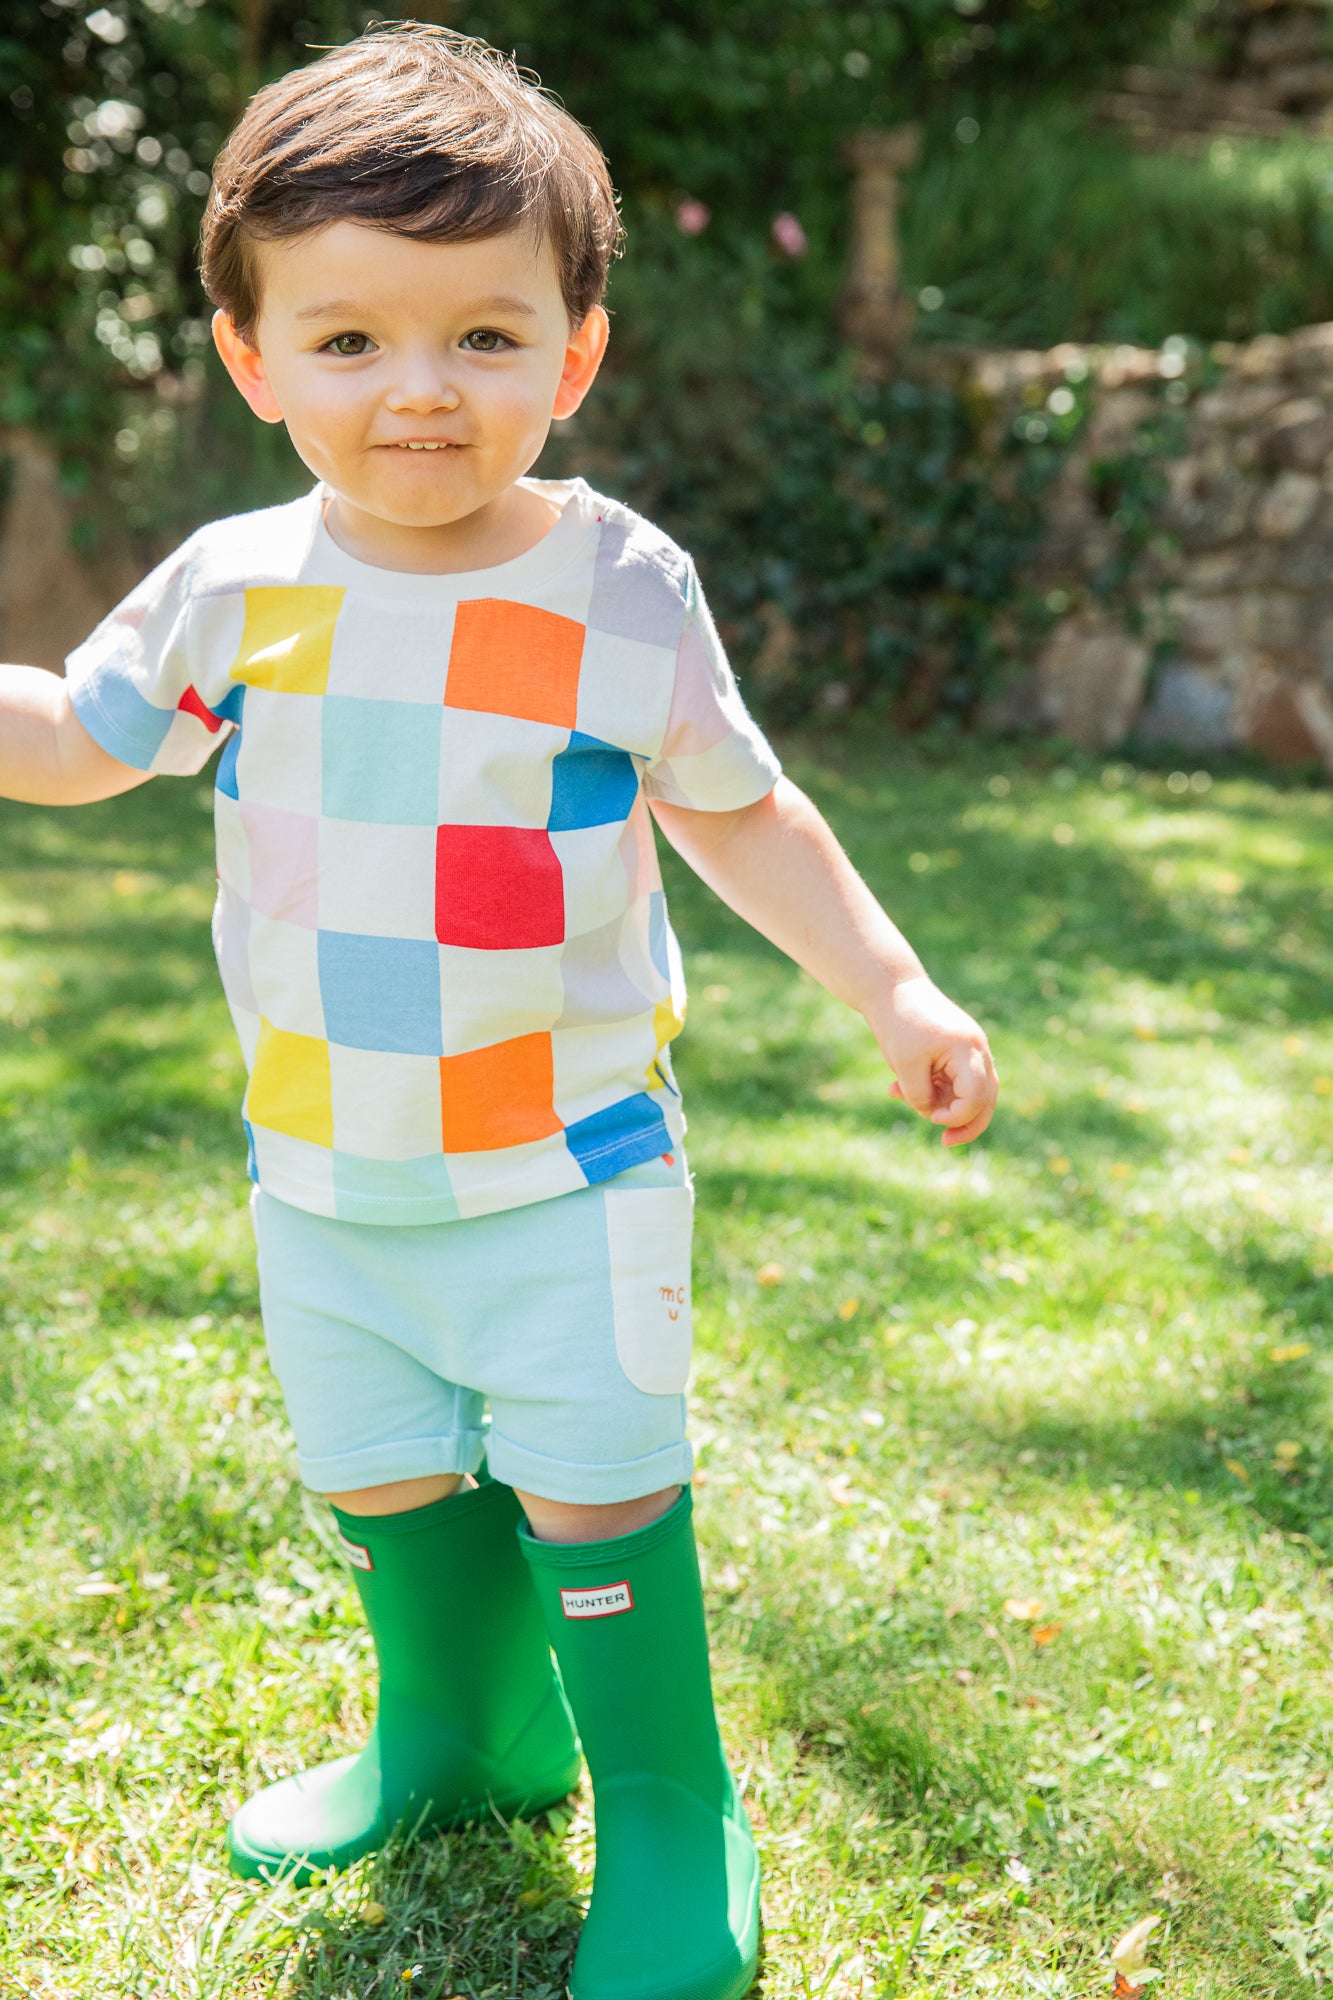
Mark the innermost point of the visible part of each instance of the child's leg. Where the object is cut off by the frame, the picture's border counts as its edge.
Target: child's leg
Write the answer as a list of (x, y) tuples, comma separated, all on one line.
[(675, 1905), (470, 1715)]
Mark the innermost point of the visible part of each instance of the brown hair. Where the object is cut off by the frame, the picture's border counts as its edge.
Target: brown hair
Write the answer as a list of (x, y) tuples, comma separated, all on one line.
[(417, 130)]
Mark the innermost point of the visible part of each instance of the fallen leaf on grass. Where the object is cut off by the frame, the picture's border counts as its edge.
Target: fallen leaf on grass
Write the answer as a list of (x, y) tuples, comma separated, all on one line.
[(1023, 1609), (1129, 1956), (1323, 1086), (374, 1913), (1290, 1350), (1237, 1470), (770, 1274), (1059, 1165), (1124, 1989), (1043, 1635), (849, 1309), (1286, 1453)]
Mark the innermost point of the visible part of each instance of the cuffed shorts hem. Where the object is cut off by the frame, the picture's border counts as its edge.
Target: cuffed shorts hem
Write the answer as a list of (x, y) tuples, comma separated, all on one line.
[(588, 1485), (385, 1464)]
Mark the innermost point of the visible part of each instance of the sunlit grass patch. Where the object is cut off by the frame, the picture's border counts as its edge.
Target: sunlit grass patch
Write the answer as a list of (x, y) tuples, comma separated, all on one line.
[(1014, 1464)]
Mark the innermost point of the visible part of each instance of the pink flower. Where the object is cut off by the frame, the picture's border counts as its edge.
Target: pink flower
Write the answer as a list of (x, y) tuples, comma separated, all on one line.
[(789, 236), (692, 217)]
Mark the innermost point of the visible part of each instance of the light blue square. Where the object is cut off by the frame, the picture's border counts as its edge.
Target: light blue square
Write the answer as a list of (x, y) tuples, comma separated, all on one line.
[(381, 993), (393, 1190), (381, 761)]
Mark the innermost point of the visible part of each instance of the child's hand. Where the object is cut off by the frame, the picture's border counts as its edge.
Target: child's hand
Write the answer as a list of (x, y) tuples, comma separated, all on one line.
[(939, 1055)]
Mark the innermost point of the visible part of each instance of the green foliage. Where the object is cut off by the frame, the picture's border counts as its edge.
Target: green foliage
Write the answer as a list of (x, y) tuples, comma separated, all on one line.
[(1044, 229), (857, 547), (119, 108)]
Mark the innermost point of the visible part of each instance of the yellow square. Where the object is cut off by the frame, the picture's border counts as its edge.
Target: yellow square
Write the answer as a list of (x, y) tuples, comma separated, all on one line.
[(667, 1024), (288, 637), (291, 1089)]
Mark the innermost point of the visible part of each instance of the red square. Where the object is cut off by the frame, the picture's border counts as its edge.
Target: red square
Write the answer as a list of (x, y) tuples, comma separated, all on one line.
[(498, 888)]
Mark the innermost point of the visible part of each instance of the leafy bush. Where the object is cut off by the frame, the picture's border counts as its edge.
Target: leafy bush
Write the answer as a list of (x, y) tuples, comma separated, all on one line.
[(1044, 229), (857, 546)]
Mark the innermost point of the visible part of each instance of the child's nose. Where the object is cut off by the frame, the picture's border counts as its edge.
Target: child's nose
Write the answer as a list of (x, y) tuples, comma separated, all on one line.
[(422, 383)]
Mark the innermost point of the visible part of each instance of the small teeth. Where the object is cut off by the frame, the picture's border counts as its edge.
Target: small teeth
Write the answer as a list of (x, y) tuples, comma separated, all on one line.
[(414, 445)]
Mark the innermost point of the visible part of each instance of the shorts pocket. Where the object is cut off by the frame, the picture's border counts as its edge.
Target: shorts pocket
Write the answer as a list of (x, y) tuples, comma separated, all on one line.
[(649, 1233)]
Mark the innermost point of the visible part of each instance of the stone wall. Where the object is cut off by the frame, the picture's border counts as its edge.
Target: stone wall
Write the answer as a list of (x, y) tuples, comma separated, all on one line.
[(1264, 71), (1188, 556)]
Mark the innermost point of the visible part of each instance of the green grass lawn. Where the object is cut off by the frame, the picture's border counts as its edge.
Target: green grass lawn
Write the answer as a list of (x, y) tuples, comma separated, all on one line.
[(1015, 1464)]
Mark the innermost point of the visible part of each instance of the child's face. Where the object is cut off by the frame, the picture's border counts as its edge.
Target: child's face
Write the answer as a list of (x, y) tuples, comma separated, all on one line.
[(372, 348)]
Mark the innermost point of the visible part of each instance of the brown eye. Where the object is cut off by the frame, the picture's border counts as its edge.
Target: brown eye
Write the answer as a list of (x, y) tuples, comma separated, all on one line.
[(485, 340), (350, 344)]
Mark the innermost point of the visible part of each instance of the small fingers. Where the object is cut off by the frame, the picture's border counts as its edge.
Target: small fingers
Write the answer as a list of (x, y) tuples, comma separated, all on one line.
[(960, 1135), (971, 1080)]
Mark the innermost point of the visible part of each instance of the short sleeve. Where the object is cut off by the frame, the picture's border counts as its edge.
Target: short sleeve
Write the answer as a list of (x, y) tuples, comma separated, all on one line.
[(714, 757), (130, 682)]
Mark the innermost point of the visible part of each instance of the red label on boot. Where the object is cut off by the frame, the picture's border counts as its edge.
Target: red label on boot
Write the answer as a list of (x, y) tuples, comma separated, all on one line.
[(601, 1600), (359, 1557)]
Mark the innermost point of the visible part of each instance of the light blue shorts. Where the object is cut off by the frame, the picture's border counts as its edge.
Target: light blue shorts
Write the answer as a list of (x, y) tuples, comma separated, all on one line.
[(569, 1318)]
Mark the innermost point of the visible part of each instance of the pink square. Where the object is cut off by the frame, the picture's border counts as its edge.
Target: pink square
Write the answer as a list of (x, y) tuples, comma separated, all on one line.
[(284, 863)]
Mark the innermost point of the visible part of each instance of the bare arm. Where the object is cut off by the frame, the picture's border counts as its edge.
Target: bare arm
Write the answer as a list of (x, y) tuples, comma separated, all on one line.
[(47, 757), (779, 865)]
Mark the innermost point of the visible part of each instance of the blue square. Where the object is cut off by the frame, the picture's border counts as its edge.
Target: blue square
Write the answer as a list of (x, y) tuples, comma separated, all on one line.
[(381, 761), (592, 784), (381, 993), (623, 1135), (226, 772)]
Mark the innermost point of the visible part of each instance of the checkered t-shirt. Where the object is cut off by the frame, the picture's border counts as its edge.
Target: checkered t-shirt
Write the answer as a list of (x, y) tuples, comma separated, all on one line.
[(440, 920)]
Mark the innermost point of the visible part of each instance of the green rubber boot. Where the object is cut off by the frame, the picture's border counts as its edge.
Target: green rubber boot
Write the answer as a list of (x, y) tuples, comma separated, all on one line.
[(471, 1718), (675, 1901)]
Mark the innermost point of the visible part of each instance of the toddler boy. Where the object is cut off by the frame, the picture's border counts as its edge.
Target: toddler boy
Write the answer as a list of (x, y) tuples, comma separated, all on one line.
[(450, 701)]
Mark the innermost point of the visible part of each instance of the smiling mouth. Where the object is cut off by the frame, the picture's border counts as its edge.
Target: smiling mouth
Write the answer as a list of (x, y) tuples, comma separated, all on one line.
[(423, 444)]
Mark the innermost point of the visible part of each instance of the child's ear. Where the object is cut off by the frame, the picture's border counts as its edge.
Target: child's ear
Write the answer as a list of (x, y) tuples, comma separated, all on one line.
[(583, 357), (246, 367)]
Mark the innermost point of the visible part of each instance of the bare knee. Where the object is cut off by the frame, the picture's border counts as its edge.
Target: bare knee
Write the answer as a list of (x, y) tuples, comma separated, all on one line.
[(400, 1496), (558, 1521)]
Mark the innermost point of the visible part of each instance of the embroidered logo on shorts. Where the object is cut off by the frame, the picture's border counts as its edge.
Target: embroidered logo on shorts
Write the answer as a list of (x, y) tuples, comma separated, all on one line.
[(358, 1556), (603, 1600)]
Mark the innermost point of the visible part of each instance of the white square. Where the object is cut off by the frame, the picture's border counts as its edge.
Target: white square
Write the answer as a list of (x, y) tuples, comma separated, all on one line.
[(600, 1065), (625, 692), (485, 1182), (233, 846), (568, 594), (495, 996), (280, 761), (246, 1024), (284, 963), (495, 770), (377, 881), (216, 626), (231, 946), (596, 891), (391, 652), (385, 1107), (293, 1170)]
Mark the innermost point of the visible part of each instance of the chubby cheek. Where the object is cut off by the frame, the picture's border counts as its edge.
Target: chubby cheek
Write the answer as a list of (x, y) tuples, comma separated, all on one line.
[(329, 422)]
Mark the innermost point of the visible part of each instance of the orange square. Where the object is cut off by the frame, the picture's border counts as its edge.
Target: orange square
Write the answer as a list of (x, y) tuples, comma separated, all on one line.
[(498, 1096), (510, 659)]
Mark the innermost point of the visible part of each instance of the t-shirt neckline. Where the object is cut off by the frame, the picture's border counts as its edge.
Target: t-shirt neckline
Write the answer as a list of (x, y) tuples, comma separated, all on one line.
[(523, 573)]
